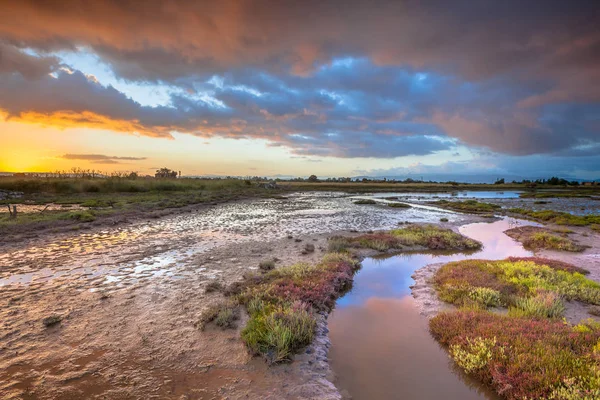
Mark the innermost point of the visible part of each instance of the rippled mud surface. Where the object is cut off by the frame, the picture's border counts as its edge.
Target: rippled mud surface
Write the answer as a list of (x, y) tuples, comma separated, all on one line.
[(129, 298), (381, 346), (158, 247)]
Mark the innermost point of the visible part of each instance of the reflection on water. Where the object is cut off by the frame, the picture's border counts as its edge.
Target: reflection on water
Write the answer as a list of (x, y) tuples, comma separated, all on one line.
[(381, 347), (466, 194)]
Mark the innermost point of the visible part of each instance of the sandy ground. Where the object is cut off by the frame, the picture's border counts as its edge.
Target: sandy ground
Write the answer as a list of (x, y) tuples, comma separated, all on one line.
[(429, 304)]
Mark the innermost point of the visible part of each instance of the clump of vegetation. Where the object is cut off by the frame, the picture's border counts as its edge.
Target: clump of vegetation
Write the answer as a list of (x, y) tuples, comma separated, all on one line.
[(554, 264), (443, 219), (82, 216), (365, 201), (545, 304), (470, 206), (515, 281), (278, 331), (337, 244), (428, 236), (267, 265), (535, 238), (308, 248), (595, 227), (52, 320), (399, 205), (223, 314), (213, 286), (282, 303), (558, 217), (523, 358), (545, 240), (563, 230), (485, 297)]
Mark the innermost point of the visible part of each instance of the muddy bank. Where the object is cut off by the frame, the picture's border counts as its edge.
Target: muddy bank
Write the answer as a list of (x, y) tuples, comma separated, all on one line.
[(141, 341)]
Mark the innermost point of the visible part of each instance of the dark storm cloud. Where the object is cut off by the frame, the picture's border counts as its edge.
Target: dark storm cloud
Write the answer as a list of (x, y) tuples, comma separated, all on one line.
[(346, 79), (163, 40)]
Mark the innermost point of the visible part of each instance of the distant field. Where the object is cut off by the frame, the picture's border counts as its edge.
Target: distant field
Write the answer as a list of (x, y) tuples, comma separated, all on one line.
[(433, 187)]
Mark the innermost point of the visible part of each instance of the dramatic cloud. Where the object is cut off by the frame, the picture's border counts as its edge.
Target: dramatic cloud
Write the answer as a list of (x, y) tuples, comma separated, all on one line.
[(378, 79), (166, 40), (31, 67), (101, 158)]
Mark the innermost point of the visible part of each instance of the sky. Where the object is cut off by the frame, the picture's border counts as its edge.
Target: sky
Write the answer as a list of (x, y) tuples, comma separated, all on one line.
[(334, 88)]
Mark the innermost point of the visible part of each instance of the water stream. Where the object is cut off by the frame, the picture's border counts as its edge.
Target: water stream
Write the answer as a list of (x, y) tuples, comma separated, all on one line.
[(381, 346)]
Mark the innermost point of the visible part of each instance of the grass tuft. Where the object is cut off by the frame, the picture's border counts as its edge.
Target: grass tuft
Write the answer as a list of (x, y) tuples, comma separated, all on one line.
[(543, 305), (223, 314), (399, 205), (365, 201), (213, 286), (429, 236), (282, 303), (469, 206), (536, 238), (267, 265)]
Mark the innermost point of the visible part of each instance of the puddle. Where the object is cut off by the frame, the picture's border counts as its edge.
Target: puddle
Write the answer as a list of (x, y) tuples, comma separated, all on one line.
[(381, 346)]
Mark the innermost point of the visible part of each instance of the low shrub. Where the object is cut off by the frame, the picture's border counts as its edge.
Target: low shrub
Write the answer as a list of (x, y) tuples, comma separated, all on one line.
[(267, 265), (554, 264), (213, 286), (545, 240), (455, 281), (399, 205), (543, 305), (429, 236), (277, 332), (82, 216), (365, 201), (471, 206), (486, 297), (537, 238), (336, 244), (223, 314), (282, 303), (308, 248), (523, 358)]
